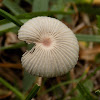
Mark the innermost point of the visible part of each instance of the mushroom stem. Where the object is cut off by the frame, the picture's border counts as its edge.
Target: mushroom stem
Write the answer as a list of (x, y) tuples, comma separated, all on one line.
[(39, 81)]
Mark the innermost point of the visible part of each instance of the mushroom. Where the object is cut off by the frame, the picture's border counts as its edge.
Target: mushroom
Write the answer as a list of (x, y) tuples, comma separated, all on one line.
[(56, 47)]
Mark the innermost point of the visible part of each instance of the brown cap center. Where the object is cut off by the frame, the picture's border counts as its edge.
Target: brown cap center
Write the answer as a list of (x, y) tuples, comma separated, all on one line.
[(46, 42)]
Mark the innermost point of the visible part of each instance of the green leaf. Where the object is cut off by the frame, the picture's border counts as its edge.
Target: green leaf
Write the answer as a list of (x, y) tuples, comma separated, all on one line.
[(89, 9), (89, 85), (44, 13), (40, 5), (8, 26), (33, 92), (17, 1), (11, 18), (13, 7), (29, 1), (14, 46), (84, 92), (98, 23), (61, 84), (35, 14), (5, 26), (30, 46), (97, 58), (88, 38), (58, 6), (28, 80), (78, 97), (4, 21)]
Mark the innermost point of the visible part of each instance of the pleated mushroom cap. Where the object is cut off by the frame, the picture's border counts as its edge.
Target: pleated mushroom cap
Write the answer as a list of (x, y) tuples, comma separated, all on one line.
[(56, 47)]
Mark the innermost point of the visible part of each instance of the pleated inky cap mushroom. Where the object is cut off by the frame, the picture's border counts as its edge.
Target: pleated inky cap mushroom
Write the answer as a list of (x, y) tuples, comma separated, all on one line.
[(56, 47)]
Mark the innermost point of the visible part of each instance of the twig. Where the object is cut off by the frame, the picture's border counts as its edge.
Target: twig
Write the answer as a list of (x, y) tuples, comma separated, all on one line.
[(10, 65)]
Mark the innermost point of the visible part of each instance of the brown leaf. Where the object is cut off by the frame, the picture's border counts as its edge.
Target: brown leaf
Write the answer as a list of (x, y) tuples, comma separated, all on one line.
[(10, 38), (89, 54), (4, 94), (10, 65)]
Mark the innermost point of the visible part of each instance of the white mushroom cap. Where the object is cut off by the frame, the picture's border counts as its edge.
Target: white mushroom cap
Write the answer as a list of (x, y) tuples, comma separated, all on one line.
[(56, 47)]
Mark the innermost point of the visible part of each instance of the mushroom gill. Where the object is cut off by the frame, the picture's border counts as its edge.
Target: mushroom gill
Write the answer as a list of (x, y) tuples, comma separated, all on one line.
[(56, 47)]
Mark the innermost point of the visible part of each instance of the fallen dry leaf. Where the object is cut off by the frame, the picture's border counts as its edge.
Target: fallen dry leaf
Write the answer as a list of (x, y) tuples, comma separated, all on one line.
[(10, 38), (4, 94), (89, 54), (10, 65)]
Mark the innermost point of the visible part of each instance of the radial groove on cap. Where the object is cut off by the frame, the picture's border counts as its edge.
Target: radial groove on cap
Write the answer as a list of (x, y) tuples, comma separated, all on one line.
[(56, 47)]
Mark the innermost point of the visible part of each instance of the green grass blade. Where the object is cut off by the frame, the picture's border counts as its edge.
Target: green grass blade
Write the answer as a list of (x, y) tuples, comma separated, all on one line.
[(18, 93), (14, 46), (59, 5), (44, 13), (61, 84), (28, 81), (29, 1), (40, 5), (33, 92), (92, 74), (13, 7), (27, 16), (65, 83), (8, 26), (35, 14), (89, 9), (98, 23), (11, 18), (88, 38), (4, 21), (84, 92)]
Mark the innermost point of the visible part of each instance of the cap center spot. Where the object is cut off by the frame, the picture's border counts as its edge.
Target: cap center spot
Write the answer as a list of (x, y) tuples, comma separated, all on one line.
[(46, 42)]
